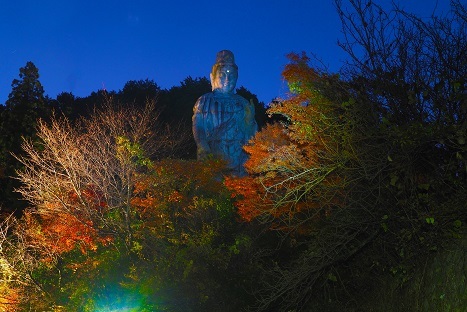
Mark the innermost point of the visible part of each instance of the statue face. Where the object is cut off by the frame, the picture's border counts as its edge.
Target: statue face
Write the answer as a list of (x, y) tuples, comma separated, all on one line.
[(224, 79)]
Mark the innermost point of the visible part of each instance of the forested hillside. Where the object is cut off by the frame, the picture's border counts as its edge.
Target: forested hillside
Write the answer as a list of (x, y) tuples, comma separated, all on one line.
[(355, 198)]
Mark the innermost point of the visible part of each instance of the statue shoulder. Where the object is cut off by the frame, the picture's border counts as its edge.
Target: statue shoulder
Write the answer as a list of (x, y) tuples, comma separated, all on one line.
[(205, 98)]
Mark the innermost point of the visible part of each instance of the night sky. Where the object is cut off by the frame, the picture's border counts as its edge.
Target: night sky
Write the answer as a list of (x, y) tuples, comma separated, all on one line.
[(83, 46)]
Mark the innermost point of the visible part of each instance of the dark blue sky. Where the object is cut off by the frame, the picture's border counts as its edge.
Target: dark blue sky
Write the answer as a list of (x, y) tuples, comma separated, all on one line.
[(82, 46)]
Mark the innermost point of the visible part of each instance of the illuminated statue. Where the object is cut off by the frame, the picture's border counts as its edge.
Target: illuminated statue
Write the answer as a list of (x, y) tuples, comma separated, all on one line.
[(223, 122)]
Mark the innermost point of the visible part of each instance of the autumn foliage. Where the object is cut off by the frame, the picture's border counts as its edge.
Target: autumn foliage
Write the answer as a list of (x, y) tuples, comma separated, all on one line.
[(294, 166), (357, 181), (170, 194)]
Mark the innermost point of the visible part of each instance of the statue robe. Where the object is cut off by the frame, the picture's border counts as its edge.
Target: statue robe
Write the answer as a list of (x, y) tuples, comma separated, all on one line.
[(222, 125)]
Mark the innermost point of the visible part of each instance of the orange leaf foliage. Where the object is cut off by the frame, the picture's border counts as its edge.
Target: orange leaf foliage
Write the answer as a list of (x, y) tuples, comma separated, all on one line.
[(292, 165), (9, 299), (65, 232), (172, 186), (59, 233), (90, 196), (248, 195)]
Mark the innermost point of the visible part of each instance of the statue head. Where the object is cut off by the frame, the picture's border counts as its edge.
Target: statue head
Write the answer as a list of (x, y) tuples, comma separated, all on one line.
[(224, 73)]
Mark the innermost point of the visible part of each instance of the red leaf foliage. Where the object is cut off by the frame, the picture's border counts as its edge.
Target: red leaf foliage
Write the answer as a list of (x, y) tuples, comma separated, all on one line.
[(293, 165)]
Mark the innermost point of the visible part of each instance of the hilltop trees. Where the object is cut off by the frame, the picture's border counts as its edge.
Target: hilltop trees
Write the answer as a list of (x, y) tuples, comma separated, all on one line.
[(26, 103), (139, 92)]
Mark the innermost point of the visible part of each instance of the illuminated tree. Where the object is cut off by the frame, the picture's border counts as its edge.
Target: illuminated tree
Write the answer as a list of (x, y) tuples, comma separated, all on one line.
[(88, 170), (362, 166), (102, 209), (296, 167), (188, 229), (299, 183), (24, 256), (79, 181)]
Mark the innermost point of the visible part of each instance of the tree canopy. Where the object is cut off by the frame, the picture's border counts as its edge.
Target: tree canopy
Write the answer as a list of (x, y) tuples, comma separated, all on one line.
[(354, 199)]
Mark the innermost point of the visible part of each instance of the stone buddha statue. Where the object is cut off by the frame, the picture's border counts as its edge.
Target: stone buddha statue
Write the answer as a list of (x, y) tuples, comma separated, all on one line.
[(223, 121)]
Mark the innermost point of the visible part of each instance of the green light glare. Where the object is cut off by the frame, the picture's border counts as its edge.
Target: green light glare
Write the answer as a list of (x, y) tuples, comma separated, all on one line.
[(118, 299)]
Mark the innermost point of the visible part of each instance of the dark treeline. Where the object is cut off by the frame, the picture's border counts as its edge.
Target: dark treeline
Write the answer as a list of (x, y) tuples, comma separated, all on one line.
[(28, 102)]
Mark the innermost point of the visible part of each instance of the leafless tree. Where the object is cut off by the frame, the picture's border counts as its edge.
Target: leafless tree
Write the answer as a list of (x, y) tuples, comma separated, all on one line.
[(88, 169), (412, 66), (85, 172)]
